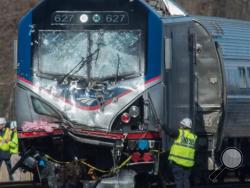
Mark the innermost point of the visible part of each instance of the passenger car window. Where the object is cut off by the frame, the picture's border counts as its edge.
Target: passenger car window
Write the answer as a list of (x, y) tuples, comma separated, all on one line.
[(248, 77), (243, 80)]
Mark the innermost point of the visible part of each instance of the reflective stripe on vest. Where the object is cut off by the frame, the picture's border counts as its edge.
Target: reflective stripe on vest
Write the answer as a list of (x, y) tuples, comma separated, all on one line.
[(182, 151), (5, 139), (14, 143)]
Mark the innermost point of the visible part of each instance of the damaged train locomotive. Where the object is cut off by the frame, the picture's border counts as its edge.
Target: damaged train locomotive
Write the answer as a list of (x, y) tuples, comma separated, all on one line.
[(97, 77)]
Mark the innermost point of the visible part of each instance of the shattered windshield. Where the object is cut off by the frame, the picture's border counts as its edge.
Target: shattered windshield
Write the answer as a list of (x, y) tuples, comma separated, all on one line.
[(105, 53)]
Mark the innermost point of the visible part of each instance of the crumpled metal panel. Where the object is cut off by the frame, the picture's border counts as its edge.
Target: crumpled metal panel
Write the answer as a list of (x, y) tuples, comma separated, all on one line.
[(209, 81), (233, 36), (124, 179), (85, 74), (195, 87), (208, 70)]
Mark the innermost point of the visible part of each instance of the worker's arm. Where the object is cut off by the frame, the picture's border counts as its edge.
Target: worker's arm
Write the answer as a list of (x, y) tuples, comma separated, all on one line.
[(171, 132), (14, 139)]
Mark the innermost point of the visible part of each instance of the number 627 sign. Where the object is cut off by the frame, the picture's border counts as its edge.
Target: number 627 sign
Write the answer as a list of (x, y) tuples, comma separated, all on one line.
[(89, 18)]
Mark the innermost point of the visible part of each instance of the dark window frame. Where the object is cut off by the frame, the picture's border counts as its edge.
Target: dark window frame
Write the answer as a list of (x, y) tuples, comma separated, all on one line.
[(54, 114)]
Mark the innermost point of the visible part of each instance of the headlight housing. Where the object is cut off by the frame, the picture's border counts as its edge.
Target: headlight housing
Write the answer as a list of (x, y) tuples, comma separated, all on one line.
[(134, 111)]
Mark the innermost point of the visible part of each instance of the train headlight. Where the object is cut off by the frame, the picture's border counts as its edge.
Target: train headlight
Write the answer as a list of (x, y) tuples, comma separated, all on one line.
[(134, 111), (125, 118), (84, 18)]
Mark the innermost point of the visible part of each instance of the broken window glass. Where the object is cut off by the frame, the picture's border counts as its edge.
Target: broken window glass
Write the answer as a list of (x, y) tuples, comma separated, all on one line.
[(109, 53)]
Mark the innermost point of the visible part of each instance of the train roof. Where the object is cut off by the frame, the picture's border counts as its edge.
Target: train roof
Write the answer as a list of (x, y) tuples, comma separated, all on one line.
[(232, 35)]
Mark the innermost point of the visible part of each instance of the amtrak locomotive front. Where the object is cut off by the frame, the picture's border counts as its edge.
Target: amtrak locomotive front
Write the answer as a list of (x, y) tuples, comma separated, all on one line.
[(87, 81), (97, 78)]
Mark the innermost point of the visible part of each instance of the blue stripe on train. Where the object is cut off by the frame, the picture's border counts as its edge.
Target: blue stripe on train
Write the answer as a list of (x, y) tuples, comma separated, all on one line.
[(154, 46), (24, 47)]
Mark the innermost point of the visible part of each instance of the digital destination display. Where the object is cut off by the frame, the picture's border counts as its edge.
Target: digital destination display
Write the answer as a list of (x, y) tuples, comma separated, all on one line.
[(89, 18)]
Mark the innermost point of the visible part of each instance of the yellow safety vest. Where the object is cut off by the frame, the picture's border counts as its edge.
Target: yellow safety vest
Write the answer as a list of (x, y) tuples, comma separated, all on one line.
[(182, 151), (13, 144), (5, 139)]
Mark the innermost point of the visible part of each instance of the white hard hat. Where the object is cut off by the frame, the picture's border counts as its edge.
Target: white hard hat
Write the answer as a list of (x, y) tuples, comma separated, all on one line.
[(13, 125), (186, 122), (2, 121)]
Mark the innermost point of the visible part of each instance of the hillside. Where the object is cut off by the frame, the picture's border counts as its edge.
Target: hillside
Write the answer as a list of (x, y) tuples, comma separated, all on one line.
[(11, 11), (238, 9)]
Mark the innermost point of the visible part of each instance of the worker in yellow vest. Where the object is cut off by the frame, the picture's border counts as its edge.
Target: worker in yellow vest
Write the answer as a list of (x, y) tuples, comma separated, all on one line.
[(13, 144), (182, 152), (5, 137)]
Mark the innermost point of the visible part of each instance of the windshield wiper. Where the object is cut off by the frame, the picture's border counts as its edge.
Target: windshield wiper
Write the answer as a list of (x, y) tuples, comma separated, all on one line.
[(80, 65), (117, 70)]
